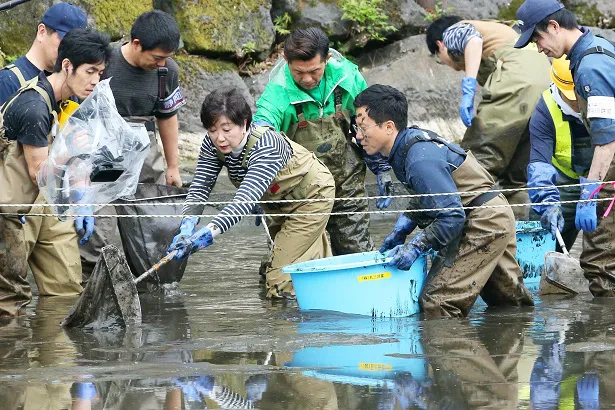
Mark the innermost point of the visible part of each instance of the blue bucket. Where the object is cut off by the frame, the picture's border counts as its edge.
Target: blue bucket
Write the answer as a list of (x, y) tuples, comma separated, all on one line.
[(359, 283), (533, 243), (363, 364)]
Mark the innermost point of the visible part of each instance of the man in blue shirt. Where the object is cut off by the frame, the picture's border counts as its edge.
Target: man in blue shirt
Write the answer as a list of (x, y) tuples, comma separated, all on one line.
[(58, 20), (555, 31), (476, 247), (561, 153)]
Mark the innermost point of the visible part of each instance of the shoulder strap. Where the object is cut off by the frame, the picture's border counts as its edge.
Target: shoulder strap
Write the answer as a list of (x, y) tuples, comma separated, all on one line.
[(594, 50), (255, 135), (426, 135), (30, 85), (15, 70)]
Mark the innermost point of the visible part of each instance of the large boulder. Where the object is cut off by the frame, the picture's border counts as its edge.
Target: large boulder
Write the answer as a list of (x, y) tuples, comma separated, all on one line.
[(114, 17), (227, 27), (432, 89), (199, 76), (598, 13)]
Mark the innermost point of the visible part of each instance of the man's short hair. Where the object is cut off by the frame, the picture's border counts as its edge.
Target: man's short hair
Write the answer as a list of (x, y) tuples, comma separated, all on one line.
[(83, 46), (436, 30), (229, 103), (156, 29), (564, 17), (384, 103), (306, 43)]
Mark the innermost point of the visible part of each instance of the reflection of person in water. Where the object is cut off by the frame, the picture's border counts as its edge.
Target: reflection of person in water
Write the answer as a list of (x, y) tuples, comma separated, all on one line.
[(473, 366), (546, 376)]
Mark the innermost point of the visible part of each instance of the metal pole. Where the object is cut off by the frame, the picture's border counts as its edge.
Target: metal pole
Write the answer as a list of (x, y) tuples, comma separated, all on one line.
[(10, 4)]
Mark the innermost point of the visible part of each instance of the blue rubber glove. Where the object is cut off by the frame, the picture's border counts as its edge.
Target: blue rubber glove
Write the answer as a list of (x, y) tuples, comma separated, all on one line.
[(186, 230), (385, 184), (552, 219), (86, 391), (84, 225), (405, 255), (588, 391), (200, 240), (586, 218), (466, 109), (258, 211), (403, 227), (22, 219), (544, 386)]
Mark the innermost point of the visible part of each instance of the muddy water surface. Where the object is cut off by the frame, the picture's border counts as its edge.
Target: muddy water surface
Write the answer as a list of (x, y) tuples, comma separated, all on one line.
[(217, 343)]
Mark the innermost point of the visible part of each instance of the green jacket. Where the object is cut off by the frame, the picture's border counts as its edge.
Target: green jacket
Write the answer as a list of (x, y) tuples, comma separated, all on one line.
[(275, 106)]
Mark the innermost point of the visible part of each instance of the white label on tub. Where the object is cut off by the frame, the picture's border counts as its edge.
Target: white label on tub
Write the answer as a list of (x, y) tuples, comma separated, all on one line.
[(374, 276)]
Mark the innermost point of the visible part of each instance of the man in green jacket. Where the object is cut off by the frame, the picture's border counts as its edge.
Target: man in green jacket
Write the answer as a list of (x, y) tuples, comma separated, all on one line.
[(310, 98)]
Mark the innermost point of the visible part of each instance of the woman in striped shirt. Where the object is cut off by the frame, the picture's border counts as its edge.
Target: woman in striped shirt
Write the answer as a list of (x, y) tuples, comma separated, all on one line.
[(264, 165)]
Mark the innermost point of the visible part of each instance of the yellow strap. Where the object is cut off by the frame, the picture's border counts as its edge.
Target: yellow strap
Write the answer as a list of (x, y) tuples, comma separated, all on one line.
[(255, 135), (562, 157)]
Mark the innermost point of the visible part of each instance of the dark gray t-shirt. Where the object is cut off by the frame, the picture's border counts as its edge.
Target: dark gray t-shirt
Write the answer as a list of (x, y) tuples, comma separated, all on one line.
[(136, 90), (27, 119)]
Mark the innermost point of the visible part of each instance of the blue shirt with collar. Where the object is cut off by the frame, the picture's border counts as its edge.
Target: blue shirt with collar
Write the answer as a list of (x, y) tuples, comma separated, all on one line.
[(9, 83), (427, 168), (594, 76)]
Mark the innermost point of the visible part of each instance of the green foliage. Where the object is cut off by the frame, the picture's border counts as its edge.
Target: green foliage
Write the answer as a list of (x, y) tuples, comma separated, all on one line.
[(369, 22), (438, 11), (247, 48), (282, 24)]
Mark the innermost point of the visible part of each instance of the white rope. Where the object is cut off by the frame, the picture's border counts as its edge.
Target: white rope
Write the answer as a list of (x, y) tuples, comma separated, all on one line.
[(306, 200), (387, 211)]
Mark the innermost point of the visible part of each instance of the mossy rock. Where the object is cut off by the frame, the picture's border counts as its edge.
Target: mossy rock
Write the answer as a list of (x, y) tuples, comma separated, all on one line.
[(114, 17), (227, 27), (18, 26), (190, 66), (587, 12)]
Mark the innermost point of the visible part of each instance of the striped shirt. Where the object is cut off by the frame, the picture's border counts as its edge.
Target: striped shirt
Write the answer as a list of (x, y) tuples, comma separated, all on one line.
[(269, 155), (456, 38)]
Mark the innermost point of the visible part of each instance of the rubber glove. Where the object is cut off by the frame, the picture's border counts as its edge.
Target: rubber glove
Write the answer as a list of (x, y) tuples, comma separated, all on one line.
[(258, 211), (403, 227), (186, 230), (586, 218), (588, 391), (385, 184), (84, 225), (466, 109), (22, 219), (200, 240), (552, 219), (544, 386), (543, 178), (405, 255), (85, 391)]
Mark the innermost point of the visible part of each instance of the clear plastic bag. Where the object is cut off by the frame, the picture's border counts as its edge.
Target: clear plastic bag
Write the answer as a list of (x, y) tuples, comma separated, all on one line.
[(95, 158)]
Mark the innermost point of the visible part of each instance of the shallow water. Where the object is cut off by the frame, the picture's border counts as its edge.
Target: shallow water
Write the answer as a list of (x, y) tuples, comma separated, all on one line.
[(217, 343)]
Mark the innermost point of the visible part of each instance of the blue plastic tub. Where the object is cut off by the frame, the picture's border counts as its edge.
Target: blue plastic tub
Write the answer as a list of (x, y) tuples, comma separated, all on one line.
[(533, 243), (360, 283), (400, 351)]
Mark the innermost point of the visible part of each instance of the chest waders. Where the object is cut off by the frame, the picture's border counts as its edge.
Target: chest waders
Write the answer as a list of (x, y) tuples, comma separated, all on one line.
[(301, 238), (598, 255), (481, 261), (47, 245), (329, 139)]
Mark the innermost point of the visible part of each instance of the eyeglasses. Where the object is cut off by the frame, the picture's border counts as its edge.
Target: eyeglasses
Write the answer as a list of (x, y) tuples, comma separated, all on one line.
[(361, 130)]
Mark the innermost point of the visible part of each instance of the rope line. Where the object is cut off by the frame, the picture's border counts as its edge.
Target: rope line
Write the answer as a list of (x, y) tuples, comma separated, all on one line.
[(386, 211), (306, 200)]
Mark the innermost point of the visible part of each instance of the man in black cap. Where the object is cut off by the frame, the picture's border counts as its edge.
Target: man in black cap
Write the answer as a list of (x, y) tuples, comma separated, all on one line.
[(555, 31), (58, 20)]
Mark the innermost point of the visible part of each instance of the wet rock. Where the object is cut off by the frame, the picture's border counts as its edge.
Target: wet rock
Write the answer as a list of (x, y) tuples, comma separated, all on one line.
[(199, 76), (230, 27), (18, 26)]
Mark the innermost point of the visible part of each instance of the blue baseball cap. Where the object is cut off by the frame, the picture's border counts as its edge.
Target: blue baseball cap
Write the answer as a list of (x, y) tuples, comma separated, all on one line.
[(531, 13), (63, 17)]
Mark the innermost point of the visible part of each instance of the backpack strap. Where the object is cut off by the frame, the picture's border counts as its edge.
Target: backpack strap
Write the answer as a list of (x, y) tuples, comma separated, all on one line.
[(15, 70), (255, 135), (32, 85)]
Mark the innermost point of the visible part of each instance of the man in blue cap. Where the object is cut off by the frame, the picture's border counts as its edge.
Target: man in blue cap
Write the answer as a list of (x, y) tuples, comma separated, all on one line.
[(555, 31), (56, 22)]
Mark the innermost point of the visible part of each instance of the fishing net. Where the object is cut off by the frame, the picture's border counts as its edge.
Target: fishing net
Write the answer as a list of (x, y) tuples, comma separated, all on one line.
[(110, 298), (146, 240)]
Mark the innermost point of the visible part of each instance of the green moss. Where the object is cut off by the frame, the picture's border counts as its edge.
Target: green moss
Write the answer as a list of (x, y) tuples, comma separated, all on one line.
[(223, 26), (115, 17), (18, 26), (588, 15), (191, 66), (509, 12)]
